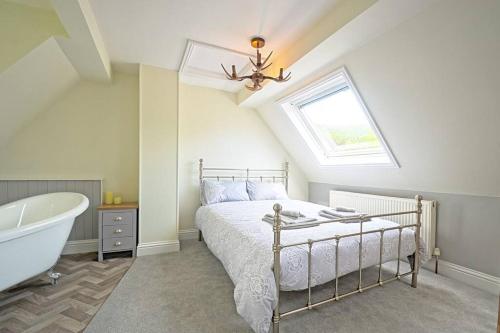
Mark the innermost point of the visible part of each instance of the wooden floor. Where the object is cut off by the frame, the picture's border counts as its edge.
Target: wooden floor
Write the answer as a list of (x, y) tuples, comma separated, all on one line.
[(36, 306)]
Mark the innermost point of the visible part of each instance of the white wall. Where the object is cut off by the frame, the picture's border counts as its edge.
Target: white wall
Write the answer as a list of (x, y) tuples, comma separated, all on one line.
[(213, 127), (157, 160), (91, 132), (432, 85)]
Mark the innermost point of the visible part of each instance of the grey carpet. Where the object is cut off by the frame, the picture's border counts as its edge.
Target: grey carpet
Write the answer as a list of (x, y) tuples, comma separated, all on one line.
[(189, 291)]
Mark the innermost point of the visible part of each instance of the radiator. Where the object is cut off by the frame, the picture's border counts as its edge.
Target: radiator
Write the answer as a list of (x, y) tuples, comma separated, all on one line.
[(376, 204)]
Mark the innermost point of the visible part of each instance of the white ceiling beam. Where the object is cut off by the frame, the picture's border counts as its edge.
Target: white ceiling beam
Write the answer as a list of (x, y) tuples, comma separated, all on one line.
[(85, 47)]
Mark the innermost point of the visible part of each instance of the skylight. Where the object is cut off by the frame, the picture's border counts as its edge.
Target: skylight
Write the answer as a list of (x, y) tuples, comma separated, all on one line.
[(335, 123)]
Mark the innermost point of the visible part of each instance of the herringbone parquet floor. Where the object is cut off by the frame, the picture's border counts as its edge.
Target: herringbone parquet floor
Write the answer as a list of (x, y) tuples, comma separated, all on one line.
[(37, 306)]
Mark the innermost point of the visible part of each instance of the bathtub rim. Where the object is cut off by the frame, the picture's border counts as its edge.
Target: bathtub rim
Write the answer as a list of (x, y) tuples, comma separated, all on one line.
[(54, 220)]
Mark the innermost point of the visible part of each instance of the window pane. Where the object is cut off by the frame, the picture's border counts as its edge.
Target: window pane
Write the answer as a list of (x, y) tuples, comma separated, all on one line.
[(340, 124)]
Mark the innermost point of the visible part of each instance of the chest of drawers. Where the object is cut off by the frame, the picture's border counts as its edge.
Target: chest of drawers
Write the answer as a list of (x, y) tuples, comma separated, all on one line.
[(117, 228)]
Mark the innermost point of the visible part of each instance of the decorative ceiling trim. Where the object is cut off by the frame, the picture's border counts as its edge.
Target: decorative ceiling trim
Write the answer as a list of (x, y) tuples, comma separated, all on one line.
[(215, 79), (191, 43)]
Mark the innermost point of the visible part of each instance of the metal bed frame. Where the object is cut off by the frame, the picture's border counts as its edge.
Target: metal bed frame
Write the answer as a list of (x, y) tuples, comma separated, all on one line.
[(277, 246)]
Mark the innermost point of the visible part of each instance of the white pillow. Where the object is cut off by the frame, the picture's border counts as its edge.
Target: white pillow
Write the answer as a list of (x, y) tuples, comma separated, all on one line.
[(215, 191), (266, 191)]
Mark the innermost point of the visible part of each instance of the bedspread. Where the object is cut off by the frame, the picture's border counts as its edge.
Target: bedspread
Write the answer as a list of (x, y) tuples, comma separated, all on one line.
[(237, 236)]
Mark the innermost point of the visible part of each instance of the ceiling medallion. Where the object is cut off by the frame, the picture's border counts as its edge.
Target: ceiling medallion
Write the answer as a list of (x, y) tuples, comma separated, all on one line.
[(257, 77)]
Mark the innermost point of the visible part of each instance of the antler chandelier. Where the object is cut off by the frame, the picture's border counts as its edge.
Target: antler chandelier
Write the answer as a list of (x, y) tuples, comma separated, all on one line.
[(257, 77)]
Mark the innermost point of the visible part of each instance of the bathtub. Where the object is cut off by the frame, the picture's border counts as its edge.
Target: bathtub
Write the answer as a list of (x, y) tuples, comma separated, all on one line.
[(33, 232)]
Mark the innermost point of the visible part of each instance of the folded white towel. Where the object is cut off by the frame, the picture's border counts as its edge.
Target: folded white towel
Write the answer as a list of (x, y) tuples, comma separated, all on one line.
[(332, 217), (339, 214), (291, 220), (292, 213), (345, 209), (301, 225)]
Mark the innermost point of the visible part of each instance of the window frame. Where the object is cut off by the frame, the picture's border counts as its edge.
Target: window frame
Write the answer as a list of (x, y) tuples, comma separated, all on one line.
[(332, 83)]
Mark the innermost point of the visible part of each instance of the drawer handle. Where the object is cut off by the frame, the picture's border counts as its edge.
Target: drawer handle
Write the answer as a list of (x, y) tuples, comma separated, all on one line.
[(118, 231), (118, 218), (118, 243)]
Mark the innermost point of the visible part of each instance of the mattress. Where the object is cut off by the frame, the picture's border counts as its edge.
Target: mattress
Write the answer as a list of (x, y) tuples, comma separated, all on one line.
[(237, 236)]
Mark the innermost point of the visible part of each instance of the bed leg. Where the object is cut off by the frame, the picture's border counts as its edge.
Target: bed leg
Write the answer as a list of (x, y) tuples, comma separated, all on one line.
[(276, 325), (416, 256), (414, 280), (200, 236), (411, 261), (277, 266)]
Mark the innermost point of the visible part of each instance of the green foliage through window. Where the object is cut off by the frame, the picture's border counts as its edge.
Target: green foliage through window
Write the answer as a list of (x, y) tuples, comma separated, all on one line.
[(335, 123), (354, 135)]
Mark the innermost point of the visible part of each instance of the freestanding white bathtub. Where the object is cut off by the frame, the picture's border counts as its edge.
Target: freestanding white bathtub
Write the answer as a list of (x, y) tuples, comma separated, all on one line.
[(33, 232)]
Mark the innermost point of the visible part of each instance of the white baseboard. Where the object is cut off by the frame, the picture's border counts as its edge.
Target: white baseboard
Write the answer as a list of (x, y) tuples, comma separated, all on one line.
[(188, 234), (150, 248), (80, 246), (486, 282)]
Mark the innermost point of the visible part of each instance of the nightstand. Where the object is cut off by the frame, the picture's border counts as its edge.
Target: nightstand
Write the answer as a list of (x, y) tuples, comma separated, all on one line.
[(117, 228)]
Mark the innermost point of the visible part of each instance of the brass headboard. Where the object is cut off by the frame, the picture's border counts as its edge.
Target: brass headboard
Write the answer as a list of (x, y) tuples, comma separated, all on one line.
[(246, 174)]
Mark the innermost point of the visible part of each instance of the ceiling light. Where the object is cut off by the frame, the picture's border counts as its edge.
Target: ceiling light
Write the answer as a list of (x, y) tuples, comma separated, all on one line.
[(257, 76)]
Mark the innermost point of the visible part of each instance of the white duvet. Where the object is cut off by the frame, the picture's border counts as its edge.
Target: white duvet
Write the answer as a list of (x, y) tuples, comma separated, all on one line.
[(237, 236)]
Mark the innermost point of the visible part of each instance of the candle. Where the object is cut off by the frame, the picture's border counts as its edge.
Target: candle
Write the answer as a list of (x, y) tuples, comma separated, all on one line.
[(117, 200), (108, 198)]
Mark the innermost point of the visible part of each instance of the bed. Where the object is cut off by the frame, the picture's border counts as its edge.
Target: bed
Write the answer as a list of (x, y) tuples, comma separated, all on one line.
[(262, 259)]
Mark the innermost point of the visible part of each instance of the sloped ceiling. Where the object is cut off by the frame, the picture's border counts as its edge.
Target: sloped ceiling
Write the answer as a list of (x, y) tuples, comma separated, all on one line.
[(22, 28), (42, 4), (430, 82), (432, 86), (43, 63), (355, 26), (31, 84)]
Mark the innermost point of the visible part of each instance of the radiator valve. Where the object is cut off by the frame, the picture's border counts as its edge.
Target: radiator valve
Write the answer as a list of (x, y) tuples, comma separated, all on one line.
[(436, 254)]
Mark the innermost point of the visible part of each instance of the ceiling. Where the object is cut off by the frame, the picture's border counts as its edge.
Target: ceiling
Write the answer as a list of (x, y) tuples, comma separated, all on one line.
[(155, 32)]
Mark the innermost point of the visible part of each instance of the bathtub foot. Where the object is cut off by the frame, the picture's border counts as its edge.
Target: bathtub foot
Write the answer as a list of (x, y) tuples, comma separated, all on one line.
[(53, 277)]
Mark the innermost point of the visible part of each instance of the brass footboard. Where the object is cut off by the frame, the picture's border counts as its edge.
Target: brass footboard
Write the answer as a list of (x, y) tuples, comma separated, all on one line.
[(281, 175), (277, 247)]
